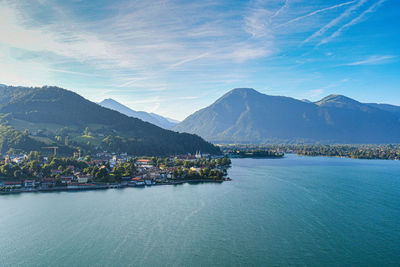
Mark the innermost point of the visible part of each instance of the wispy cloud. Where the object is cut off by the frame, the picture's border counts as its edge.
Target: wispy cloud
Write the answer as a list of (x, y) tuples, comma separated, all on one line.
[(373, 60), (315, 13), (73, 72), (335, 21), (285, 6), (356, 20), (190, 59), (257, 22), (133, 38), (139, 50), (332, 87), (188, 97), (315, 93)]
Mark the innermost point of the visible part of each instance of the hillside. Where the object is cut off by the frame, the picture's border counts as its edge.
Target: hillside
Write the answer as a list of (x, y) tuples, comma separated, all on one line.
[(144, 116), (51, 115), (386, 107), (247, 116)]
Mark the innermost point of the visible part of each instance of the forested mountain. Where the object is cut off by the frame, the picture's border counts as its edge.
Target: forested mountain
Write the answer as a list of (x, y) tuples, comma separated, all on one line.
[(37, 117), (144, 116), (247, 116)]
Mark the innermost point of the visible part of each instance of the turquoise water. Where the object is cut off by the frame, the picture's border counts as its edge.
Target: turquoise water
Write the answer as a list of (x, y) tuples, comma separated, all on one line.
[(279, 212)]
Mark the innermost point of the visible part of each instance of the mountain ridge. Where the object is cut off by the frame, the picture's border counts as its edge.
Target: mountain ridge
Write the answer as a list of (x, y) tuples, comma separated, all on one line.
[(153, 118), (70, 121), (248, 116)]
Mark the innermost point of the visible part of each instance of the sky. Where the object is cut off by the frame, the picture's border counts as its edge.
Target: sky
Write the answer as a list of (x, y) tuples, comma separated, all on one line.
[(175, 57)]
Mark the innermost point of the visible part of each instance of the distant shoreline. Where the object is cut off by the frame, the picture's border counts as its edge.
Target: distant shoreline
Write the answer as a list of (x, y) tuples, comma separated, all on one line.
[(111, 186), (353, 151), (316, 156)]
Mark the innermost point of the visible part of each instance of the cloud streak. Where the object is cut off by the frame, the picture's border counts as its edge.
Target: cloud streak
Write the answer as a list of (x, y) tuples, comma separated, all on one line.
[(373, 60), (316, 12), (285, 6), (184, 61), (335, 21), (158, 48), (354, 21)]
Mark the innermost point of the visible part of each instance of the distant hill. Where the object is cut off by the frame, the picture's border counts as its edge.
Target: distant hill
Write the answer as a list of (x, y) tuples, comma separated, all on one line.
[(386, 107), (168, 121), (144, 116), (244, 115), (37, 117)]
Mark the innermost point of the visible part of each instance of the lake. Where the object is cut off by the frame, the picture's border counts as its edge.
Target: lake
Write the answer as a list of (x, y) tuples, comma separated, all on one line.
[(275, 212)]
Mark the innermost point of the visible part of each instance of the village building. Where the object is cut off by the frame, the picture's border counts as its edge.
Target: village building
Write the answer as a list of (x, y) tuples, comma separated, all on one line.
[(66, 179), (144, 163), (29, 183), (48, 182), (83, 179), (12, 184)]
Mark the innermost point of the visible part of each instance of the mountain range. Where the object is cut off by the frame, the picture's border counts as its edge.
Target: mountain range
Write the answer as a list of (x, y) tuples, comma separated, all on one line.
[(245, 115), (153, 118), (33, 118)]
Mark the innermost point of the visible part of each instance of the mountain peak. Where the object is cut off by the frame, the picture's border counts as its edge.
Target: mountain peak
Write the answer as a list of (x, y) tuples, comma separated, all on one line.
[(243, 91), (144, 116), (108, 100), (338, 101), (240, 92), (244, 115), (60, 110)]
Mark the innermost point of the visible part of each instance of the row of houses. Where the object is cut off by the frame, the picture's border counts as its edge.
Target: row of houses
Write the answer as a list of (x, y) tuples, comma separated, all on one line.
[(47, 182), (18, 184)]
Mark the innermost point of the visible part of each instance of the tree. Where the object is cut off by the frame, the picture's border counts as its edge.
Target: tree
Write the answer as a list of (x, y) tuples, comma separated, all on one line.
[(34, 155), (34, 166), (17, 174)]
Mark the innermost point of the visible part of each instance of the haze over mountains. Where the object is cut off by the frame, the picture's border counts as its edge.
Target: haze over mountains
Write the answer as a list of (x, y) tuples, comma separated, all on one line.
[(244, 115), (32, 118), (153, 118)]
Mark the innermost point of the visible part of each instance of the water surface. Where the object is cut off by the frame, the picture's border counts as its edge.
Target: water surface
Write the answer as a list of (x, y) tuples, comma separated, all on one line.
[(275, 212)]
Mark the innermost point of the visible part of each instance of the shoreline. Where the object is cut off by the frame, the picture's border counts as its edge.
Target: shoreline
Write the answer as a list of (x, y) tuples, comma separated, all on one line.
[(316, 156), (113, 186)]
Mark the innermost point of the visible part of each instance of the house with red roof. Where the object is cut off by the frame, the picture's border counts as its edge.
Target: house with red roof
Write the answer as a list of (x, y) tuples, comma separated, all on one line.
[(10, 184)]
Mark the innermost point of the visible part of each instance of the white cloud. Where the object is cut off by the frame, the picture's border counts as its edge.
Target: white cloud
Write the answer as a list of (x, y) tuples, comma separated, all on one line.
[(138, 50), (315, 93), (72, 72), (258, 21), (280, 10), (190, 59), (373, 60), (247, 52), (335, 21), (79, 46), (333, 87), (356, 20), (188, 97), (141, 37), (315, 13)]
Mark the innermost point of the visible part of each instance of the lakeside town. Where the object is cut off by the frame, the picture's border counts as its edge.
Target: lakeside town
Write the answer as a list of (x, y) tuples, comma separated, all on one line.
[(36, 173)]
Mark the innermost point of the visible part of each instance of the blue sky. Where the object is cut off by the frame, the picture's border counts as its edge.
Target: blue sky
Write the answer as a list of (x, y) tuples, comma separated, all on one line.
[(175, 57)]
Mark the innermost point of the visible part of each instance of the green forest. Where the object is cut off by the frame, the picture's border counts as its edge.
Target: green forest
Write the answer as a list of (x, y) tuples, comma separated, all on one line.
[(32, 118)]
